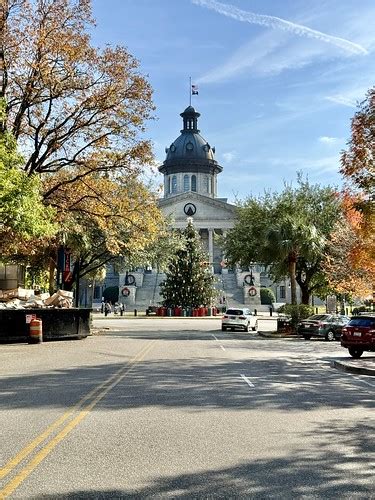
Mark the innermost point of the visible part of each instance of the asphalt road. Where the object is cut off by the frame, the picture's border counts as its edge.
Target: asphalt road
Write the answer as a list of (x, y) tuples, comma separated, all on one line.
[(174, 408)]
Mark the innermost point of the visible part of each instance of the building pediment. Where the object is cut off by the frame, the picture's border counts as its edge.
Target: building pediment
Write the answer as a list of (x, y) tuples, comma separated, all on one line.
[(205, 211)]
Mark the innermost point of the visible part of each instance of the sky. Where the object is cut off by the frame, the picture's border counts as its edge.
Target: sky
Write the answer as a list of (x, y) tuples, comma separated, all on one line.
[(278, 80)]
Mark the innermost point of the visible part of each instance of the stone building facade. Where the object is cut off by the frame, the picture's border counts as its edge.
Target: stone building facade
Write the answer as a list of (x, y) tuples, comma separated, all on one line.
[(190, 187)]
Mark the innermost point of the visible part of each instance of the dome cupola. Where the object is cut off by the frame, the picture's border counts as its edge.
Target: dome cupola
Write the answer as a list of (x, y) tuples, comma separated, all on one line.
[(190, 155)]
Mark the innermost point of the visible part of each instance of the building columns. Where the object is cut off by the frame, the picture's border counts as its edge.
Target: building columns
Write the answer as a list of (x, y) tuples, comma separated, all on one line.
[(211, 245)]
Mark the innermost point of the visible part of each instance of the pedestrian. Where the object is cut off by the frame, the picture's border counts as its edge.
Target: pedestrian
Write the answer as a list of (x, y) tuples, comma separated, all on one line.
[(107, 308), (122, 308)]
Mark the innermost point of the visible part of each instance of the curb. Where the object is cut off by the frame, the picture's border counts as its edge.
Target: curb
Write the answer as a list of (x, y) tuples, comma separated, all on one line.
[(268, 335), (353, 369)]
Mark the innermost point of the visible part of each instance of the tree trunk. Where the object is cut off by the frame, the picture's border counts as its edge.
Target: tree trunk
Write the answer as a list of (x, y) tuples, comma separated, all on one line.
[(305, 294), (51, 277), (292, 276)]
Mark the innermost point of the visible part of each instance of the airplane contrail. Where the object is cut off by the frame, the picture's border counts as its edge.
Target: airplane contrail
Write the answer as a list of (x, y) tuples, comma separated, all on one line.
[(277, 22)]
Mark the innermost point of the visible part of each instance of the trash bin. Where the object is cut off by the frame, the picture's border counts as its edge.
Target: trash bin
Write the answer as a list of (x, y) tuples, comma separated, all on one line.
[(283, 325), (169, 311)]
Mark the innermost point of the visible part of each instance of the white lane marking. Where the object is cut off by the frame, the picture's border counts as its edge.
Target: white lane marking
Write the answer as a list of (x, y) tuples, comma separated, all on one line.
[(214, 337), (222, 347), (362, 380), (249, 383)]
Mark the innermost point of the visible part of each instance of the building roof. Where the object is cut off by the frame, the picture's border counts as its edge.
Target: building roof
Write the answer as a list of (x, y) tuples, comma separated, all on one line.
[(190, 148)]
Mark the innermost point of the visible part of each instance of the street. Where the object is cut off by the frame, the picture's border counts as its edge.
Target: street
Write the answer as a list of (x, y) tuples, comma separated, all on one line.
[(175, 408)]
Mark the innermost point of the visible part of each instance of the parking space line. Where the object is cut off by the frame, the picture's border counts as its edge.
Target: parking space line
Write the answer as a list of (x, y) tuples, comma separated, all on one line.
[(217, 340), (222, 347), (249, 383)]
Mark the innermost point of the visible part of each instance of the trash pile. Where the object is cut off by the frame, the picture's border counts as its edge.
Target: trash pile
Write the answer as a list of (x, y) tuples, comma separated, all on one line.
[(22, 298)]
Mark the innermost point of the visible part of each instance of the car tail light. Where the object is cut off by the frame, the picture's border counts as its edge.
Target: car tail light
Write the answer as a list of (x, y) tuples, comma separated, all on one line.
[(242, 317), (344, 330), (225, 316), (371, 331)]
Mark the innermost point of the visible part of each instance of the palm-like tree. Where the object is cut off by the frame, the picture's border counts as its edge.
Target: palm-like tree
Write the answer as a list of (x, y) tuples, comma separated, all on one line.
[(287, 240)]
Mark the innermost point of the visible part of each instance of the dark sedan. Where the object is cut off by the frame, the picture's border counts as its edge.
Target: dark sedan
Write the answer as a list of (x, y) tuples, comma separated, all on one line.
[(328, 326), (359, 335)]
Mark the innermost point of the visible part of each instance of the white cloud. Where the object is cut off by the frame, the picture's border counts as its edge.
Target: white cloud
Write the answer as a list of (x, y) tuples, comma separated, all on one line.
[(268, 54), (328, 140), (342, 99), (229, 157), (282, 24), (352, 96), (318, 165)]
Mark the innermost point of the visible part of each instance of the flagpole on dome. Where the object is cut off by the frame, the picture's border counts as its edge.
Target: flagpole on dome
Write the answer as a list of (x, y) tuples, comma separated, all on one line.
[(190, 91)]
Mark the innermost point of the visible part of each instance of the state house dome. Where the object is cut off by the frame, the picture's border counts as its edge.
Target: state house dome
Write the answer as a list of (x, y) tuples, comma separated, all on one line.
[(190, 152)]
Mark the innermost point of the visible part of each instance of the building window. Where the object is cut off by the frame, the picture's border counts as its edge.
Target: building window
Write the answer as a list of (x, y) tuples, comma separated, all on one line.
[(206, 184), (169, 185), (282, 292), (174, 184), (97, 292), (194, 183), (186, 183)]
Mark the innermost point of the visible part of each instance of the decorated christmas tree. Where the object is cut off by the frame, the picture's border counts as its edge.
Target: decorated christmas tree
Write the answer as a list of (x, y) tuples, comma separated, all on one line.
[(189, 281)]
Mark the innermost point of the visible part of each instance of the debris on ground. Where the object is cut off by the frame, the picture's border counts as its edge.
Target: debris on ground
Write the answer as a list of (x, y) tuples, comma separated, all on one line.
[(23, 298)]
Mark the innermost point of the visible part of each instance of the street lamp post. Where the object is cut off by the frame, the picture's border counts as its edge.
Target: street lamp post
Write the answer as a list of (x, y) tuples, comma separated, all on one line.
[(251, 274)]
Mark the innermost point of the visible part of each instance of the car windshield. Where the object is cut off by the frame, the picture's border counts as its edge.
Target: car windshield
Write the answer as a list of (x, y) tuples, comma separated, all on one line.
[(366, 322), (235, 312)]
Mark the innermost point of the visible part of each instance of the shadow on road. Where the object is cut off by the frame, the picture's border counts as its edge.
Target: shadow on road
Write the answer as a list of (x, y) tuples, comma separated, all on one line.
[(324, 470), (195, 384)]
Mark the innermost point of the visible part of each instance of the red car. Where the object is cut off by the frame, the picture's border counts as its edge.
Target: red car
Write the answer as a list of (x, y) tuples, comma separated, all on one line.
[(359, 335)]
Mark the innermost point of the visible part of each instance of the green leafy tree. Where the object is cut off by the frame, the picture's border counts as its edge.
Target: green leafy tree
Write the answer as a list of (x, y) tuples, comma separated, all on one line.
[(23, 216), (189, 281), (288, 233), (111, 294)]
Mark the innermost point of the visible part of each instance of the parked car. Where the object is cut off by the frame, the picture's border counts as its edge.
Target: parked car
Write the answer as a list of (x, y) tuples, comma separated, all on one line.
[(328, 326), (239, 318), (359, 335)]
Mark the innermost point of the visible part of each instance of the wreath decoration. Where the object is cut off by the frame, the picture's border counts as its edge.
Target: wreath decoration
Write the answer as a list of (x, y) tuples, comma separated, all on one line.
[(125, 292), (130, 280), (252, 291)]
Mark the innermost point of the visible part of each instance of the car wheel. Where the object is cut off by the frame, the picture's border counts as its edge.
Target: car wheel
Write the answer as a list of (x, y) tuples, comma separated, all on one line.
[(254, 328), (223, 328), (330, 336), (307, 337), (247, 328), (355, 352)]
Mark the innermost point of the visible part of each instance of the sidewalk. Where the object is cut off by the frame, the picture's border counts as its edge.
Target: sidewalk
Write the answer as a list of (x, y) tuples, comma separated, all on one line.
[(364, 365)]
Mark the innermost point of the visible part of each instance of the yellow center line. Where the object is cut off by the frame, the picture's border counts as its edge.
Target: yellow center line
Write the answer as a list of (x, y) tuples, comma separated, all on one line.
[(116, 378)]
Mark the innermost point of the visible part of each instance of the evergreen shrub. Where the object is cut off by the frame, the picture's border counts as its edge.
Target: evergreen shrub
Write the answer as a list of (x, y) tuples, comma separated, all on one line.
[(267, 297), (296, 312)]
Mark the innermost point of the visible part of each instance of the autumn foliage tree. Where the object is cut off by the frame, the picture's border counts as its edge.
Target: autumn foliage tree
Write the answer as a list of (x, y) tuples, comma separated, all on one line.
[(358, 169), (349, 265), (78, 114)]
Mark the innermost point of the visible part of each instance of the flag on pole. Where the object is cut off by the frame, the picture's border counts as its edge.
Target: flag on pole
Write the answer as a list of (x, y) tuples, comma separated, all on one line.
[(194, 90)]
